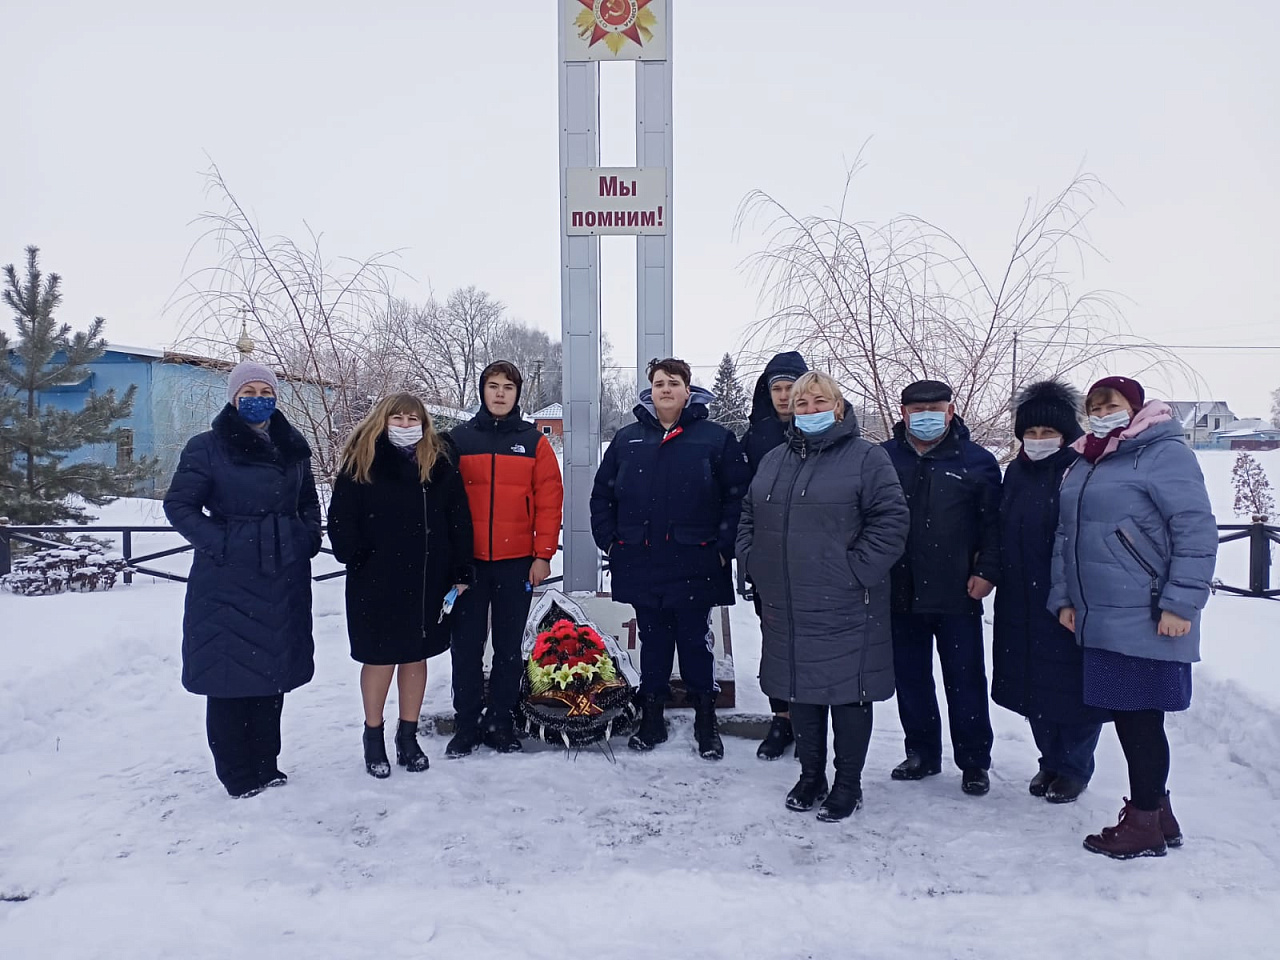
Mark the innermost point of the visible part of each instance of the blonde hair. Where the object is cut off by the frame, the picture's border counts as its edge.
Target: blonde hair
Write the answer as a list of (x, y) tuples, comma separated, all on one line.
[(358, 451), (822, 384), (1104, 395)]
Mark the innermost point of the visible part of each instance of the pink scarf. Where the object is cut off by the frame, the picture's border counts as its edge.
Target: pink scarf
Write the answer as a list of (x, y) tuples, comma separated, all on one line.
[(1094, 448)]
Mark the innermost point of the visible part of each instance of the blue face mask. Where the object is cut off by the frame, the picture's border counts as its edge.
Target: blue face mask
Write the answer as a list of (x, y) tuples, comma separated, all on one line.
[(928, 425), (815, 422), (256, 409)]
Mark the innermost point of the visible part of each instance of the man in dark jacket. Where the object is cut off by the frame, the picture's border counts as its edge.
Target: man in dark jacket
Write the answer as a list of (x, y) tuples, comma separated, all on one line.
[(516, 496), (664, 508), (952, 561), (770, 415)]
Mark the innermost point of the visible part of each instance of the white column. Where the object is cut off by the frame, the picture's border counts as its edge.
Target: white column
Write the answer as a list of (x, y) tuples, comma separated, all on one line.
[(580, 326), (654, 295)]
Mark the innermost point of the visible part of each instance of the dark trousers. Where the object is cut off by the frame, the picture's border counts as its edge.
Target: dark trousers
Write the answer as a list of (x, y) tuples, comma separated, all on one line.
[(964, 678), (1146, 748), (776, 704), (665, 630), (244, 738), (851, 723), (501, 591), (1067, 748)]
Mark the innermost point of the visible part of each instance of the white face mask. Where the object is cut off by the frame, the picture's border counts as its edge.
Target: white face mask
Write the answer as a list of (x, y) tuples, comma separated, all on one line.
[(404, 436), (1041, 449), (1101, 426)]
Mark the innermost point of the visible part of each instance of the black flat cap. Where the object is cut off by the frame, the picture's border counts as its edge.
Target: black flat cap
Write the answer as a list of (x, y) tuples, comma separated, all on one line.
[(926, 391)]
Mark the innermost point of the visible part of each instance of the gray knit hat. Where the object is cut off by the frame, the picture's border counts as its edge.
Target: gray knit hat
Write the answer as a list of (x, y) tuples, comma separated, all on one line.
[(249, 371)]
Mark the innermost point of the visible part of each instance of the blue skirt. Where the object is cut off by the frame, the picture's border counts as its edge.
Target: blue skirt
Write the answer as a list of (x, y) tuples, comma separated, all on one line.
[(1115, 681)]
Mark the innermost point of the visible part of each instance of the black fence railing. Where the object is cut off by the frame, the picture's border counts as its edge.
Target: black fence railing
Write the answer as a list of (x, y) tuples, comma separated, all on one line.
[(136, 564), (1260, 536)]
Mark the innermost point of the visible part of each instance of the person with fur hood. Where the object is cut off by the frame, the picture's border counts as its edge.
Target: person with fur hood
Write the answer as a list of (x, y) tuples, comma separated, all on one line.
[(1132, 563), (1037, 666)]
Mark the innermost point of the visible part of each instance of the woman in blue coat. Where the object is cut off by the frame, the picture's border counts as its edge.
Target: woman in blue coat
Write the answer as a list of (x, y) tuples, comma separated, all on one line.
[(1132, 564), (244, 497), (1037, 664)]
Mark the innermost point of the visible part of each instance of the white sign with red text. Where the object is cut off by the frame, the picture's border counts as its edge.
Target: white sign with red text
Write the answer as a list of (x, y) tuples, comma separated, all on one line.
[(616, 201)]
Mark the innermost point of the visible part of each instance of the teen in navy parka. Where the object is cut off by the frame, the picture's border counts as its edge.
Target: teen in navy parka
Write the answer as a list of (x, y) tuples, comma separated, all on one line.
[(665, 508)]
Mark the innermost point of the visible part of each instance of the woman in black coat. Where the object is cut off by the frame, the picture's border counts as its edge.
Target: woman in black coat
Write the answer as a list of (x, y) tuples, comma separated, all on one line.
[(399, 520), (246, 632), (1037, 664)]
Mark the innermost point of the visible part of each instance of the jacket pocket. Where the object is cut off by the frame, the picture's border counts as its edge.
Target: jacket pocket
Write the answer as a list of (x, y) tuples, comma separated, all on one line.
[(1148, 569)]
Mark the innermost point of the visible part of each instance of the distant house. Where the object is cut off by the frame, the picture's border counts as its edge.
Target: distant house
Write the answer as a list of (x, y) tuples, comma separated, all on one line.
[(446, 418), (1250, 434), (550, 420), (1200, 418)]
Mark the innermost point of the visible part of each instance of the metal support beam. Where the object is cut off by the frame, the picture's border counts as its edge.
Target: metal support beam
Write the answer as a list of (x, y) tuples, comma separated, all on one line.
[(654, 291), (580, 326)]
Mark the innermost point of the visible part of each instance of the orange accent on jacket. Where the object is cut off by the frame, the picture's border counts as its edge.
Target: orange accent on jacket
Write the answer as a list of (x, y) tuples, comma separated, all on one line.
[(514, 488)]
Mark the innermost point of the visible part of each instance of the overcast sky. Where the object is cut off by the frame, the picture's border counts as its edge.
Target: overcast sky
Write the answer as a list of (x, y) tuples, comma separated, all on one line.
[(430, 126)]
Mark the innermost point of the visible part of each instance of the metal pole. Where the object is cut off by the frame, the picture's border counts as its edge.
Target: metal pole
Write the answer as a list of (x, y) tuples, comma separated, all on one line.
[(654, 256), (579, 322)]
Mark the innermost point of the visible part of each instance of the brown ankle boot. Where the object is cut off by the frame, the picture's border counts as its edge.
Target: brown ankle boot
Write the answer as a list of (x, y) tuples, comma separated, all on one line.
[(1136, 834), (1169, 823)]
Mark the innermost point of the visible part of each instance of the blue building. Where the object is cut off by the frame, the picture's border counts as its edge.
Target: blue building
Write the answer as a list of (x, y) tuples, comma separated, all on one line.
[(177, 397)]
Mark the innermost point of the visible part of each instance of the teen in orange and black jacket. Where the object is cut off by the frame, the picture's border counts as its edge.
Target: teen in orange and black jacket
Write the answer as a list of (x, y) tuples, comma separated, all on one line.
[(516, 495)]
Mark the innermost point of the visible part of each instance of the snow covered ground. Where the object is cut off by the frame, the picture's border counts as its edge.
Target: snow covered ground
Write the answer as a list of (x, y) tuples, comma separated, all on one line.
[(114, 830)]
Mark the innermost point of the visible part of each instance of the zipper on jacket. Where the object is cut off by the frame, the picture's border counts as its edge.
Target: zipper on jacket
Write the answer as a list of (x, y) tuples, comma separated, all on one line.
[(1150, 570), (866, 642), (1076, 548), (786, 578), (426, 533), (493, 483)]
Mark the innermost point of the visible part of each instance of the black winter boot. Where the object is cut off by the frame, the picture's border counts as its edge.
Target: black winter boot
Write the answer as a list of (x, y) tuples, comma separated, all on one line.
[(851, 724), (466, 738), (500, 734), (809, 722), (1039, 784), (915, 767), (776, 741), (408, 753), (653, 728), (375, 753), (706, 728)]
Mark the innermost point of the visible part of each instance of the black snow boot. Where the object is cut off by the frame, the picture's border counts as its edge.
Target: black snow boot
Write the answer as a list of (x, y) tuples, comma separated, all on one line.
[(851, 724), (653, 728), (776, 741), (809, 721), (500, 734), (466, 738), (706, 728), (375, 753), (408, 753)]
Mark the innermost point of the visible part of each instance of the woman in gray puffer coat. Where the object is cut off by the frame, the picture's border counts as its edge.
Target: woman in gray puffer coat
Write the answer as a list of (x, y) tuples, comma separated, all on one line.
[(823, 522), (1132, 564)]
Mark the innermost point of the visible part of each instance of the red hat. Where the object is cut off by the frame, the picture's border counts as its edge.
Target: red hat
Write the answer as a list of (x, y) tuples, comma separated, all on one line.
[(1131, 390)]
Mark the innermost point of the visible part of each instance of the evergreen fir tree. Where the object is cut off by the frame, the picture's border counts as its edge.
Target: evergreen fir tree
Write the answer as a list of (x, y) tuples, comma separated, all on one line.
[(732, 406), (35, 481)]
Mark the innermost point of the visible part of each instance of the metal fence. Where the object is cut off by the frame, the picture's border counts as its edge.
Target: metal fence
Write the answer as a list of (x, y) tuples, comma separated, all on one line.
[(1260, 536)]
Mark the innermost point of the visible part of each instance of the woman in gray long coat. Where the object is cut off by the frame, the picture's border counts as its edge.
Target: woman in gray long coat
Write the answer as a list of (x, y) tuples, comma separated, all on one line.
[(823, 522), (1132, 564)]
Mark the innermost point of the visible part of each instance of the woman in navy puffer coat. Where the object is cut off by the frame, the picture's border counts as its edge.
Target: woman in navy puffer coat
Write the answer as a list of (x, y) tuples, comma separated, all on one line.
[(1037, 666), (244, 497), (1132, 565)]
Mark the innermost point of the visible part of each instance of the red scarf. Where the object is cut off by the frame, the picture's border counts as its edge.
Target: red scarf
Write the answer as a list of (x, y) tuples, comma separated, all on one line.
[(1095, 446)]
